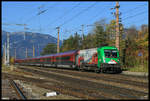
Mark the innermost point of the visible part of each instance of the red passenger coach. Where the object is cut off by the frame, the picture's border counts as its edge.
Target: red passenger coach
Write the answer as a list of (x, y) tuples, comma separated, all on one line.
[(66, 58), (18, 61), (59, 59)]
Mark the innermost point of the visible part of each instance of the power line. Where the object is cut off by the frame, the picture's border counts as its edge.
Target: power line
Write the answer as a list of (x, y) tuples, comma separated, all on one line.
[(143, 19), (99, 13), (133, 15), (28, 13), (40, 12), (67, 12), (135, 20), (133, 8), (10, 29), (79, 13)]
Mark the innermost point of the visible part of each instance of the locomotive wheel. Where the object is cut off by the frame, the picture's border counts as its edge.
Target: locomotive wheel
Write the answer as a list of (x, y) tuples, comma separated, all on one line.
[(78, 68), (103, 70), (97, 71), (81, 68)]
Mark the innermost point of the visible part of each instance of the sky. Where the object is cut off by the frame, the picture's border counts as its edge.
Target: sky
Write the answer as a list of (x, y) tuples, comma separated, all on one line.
[(44, 17)]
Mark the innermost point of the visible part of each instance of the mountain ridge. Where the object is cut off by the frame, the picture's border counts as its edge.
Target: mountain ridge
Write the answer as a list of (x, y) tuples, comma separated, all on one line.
[(17, 42)]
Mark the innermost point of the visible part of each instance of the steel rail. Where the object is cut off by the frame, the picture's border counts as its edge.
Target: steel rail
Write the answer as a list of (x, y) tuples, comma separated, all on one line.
[(17, 89)]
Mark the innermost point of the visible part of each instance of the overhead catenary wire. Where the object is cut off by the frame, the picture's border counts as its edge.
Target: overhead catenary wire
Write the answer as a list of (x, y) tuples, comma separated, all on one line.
[(39, 16), (133, 15), (92, 17), (30, 12), (30, 19), (79, 13), (64, 14), (97, 15), (100, 12), (134, 8), (11, 29), (127, 24)]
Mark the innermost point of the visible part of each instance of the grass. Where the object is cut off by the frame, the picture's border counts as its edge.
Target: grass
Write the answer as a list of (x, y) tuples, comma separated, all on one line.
[(139, 68), (5, 68), (8, 69)]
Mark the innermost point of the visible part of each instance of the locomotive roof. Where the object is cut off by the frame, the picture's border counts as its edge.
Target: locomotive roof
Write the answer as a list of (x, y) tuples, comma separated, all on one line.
[(56, 54), (108, 47)]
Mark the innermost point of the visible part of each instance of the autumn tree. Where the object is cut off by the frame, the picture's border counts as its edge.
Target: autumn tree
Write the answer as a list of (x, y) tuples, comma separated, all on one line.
[(72, 43), (12, 60), (88, 41), (100, 35), (110, 31), (49, 49), (142, 45)]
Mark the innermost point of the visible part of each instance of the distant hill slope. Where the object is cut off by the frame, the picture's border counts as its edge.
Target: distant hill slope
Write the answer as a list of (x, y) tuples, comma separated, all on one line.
[(37, 39)]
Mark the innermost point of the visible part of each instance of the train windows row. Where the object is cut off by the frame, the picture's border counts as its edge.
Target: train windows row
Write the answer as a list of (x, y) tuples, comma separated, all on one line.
[(47, 59)]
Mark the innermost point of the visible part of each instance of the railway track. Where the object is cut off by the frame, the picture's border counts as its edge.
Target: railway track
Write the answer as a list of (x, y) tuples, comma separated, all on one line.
[(85, 86), (135, 81), (18, 90), (10, 90), (43, 84)]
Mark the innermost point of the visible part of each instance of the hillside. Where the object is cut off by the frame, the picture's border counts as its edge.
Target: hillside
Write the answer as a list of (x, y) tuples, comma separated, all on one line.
[(37, 39)]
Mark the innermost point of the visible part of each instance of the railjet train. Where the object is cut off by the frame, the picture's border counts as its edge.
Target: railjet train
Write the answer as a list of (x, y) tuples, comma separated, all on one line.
[(102, 59)]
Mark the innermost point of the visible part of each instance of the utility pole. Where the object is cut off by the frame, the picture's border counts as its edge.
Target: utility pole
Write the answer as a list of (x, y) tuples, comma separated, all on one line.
[(117, 24), (117, 14), (18, 25), (82, 31), (38, 50), (33, 51), (5, 58), (24, 33), (58, 40), (26, 53), (15, 53), (7, 49)]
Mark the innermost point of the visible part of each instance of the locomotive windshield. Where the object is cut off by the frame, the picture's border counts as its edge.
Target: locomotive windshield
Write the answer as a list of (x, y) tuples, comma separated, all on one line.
[(110, 53)]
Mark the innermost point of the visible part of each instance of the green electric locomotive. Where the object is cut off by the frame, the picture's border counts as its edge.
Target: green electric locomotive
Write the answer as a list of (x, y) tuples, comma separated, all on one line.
[(102, 59), (108, 59)]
